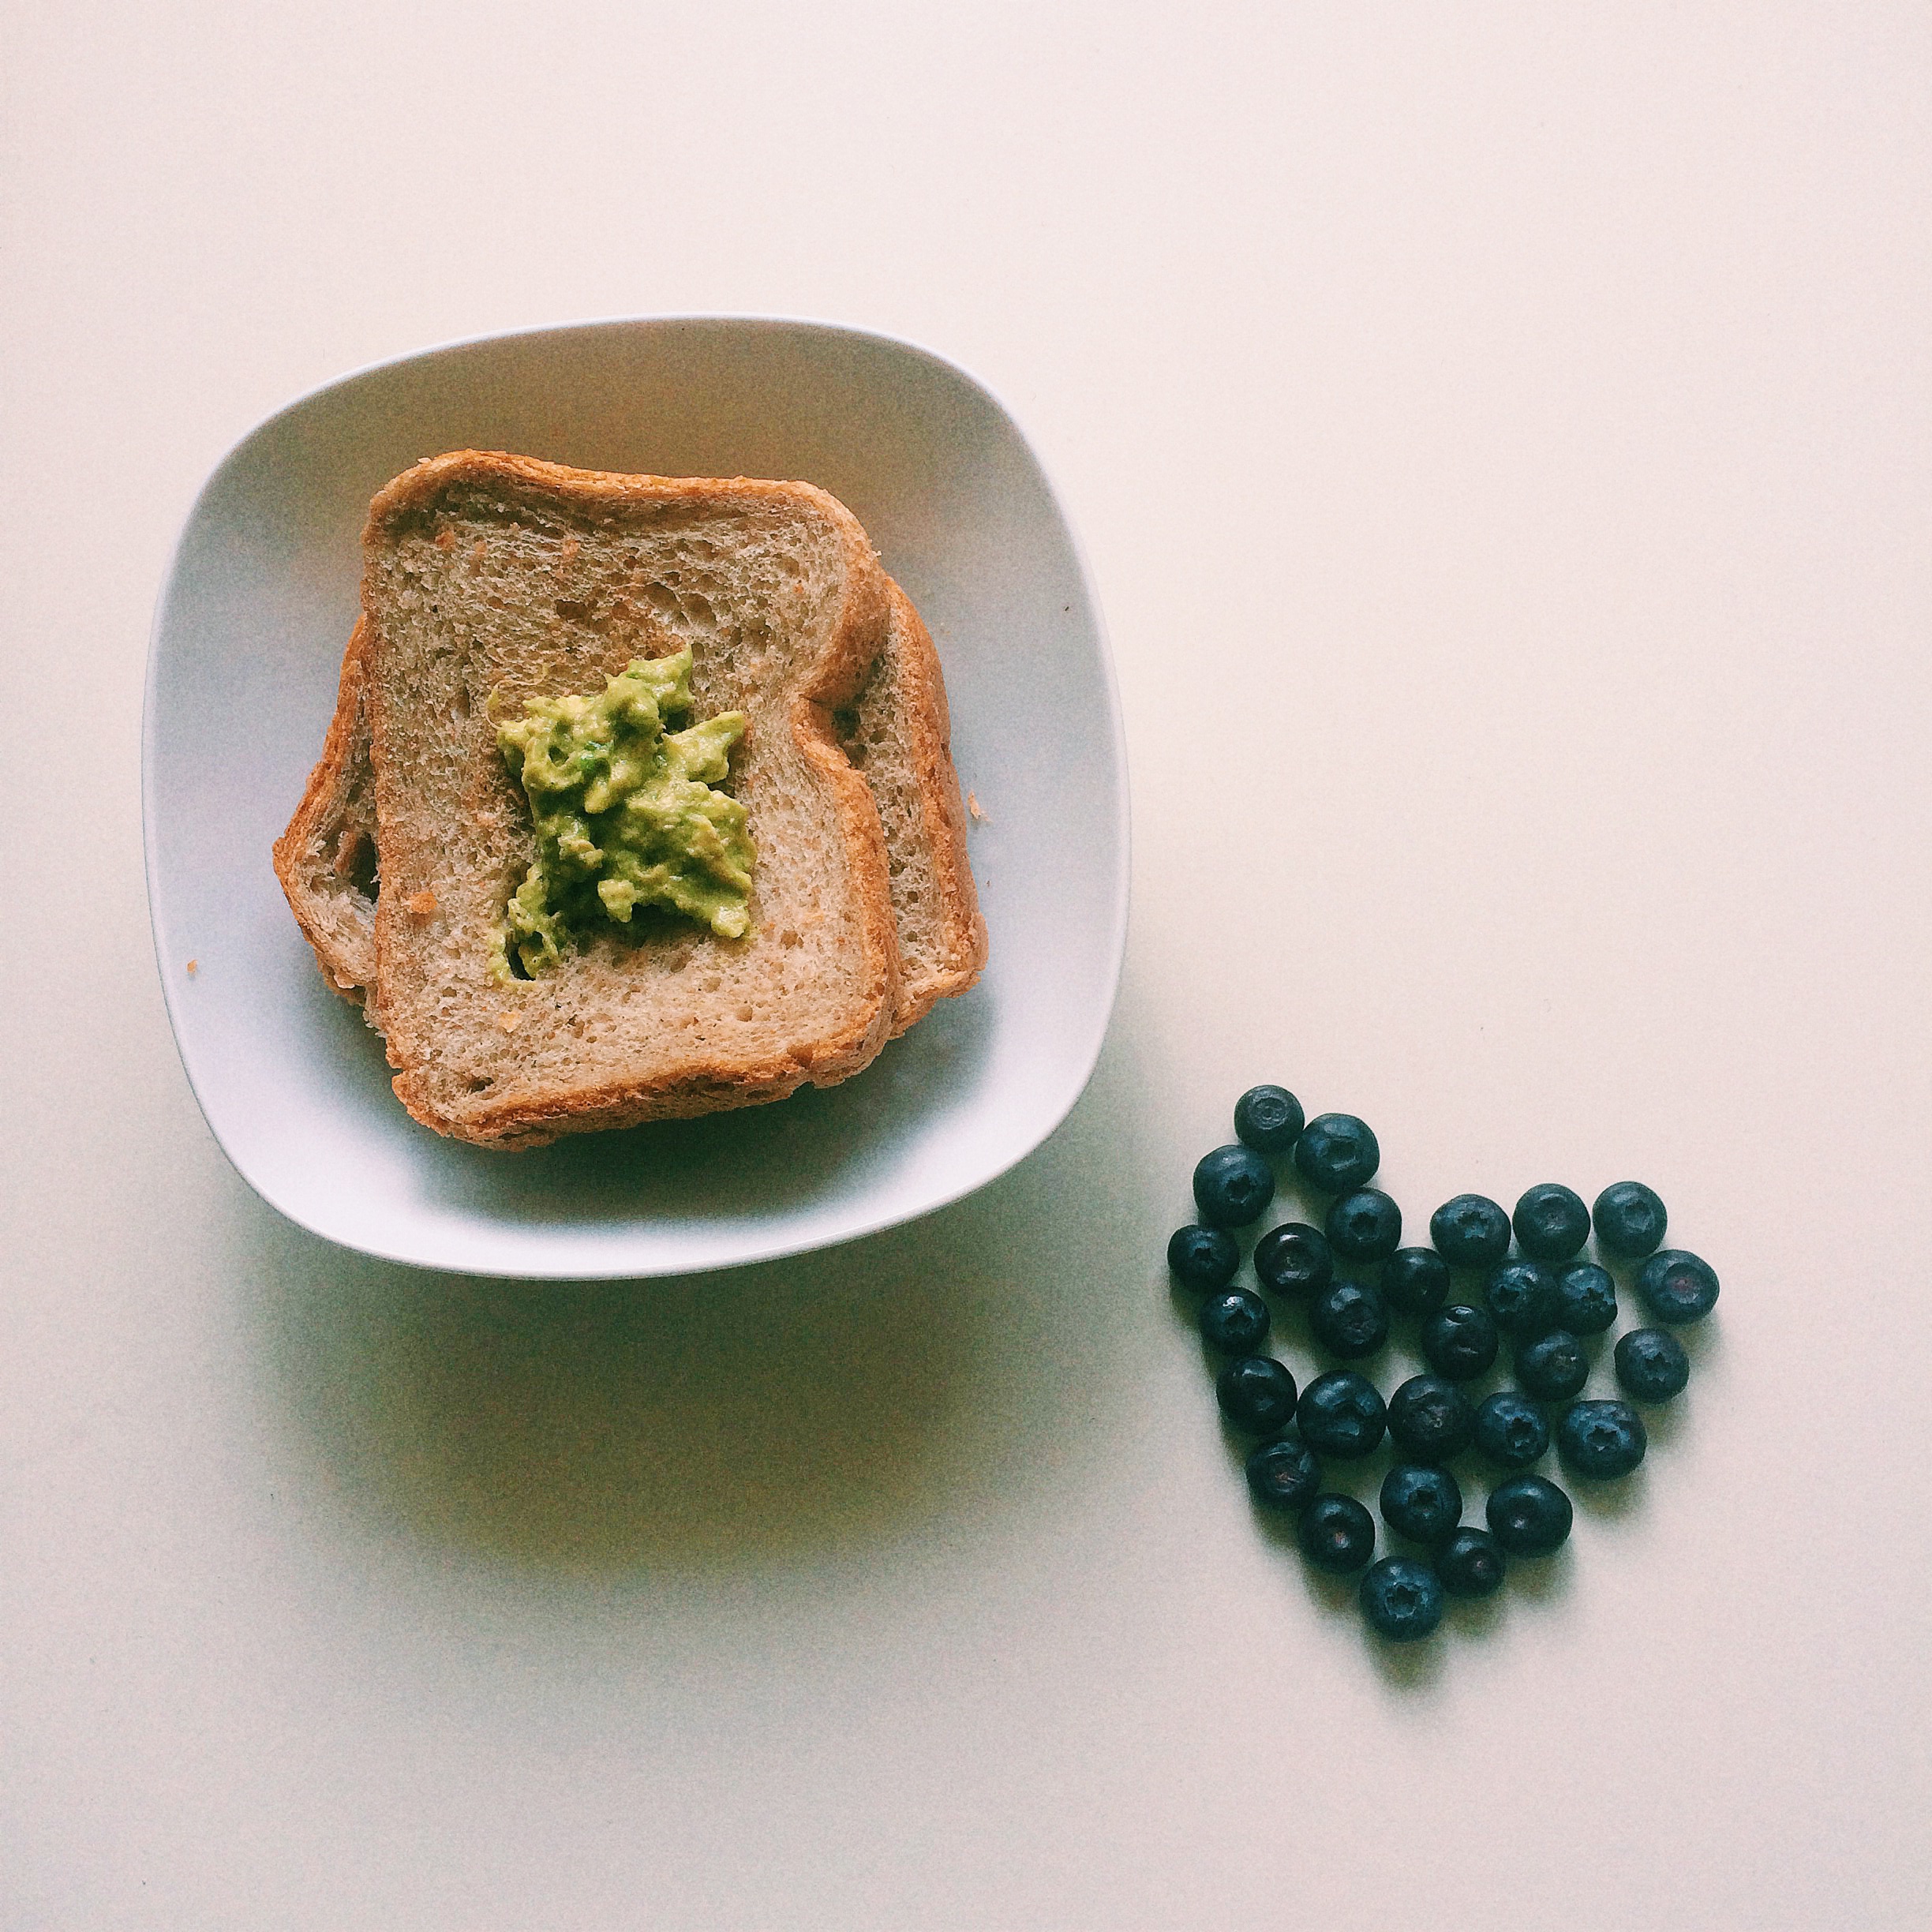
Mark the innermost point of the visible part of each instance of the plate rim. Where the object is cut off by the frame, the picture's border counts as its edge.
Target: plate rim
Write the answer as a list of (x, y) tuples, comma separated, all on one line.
[(780, 1247)]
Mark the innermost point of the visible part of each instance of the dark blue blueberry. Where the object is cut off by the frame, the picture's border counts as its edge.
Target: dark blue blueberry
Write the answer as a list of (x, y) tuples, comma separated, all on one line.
[(1553, 1367), (1586, 1301), (1267, 1119), (1471, 1564), (1420, 1502), (1415, 1281), (1460, 1342), (1430, 1418), (1651, 1365), (1256, 1394), (1510, 1430), (1232, 1185), (1295, 1258), (1365, 1226), (1234, 1321), (1350, 1320), (1336, 1534), (1528, 1515), (1337, 1153), (1676, 1287), (1341, 1414), (1630, 1221), (1472, 1231), (1551, 1223), (1402, 1599), (1601, 1439), (1522, 1295), (1204, 1257), (1284, 1474)]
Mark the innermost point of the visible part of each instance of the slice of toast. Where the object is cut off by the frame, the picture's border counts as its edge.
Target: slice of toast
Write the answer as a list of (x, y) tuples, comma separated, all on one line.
[(899, 733), (896, 730), (489, 579)]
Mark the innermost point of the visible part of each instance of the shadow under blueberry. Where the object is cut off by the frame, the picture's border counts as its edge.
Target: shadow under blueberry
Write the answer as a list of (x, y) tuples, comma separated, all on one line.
[(1476, 1616), (1542, 1579), (1608, 1501), (1408, 1667)]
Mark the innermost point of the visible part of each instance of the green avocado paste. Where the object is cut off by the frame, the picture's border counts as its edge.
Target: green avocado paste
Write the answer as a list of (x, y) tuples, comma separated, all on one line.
[(627, 813)]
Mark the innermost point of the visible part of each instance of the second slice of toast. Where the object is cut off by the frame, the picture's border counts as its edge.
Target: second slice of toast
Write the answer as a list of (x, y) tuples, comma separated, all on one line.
[(898, 733)]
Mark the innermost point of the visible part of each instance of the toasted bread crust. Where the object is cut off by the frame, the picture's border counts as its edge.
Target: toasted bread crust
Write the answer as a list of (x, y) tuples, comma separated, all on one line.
[(322, 836), (958, 949), (703, 1082)]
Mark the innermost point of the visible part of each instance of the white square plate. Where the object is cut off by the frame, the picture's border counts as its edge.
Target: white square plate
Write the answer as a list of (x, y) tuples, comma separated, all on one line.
[(248, 641)]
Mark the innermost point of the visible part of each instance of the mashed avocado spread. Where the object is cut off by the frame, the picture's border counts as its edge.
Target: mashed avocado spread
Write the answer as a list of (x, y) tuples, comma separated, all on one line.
[(627, 813)]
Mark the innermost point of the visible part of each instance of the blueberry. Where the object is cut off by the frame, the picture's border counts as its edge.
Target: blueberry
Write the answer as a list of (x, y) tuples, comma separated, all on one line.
[(1204, 1257), (1341, 1414), (1283, 1474), (1630, 1220), (1551, 1223), (1460, 1342), (1676, 1287), (1256, 1394), (1522, 1295), (1415, 1281), (1472, 1231), (1365, 1226), (1234, 1321), (1402, 1599), (1267, 1119), (1336, 1534), (1420, 1502), (1350, 1320), (1528, 1515), (1586, 1302), (1295, 1258), (1337, 1153), (1232, 1185), (1651, 1365), (1601, 1439), (1510, 1430), (1553, 1367), (1430, 1418), (1471, 1564)]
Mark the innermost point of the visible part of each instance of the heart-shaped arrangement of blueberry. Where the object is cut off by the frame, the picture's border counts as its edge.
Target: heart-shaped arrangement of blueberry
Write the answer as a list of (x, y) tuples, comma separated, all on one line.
[(1543, 1301)]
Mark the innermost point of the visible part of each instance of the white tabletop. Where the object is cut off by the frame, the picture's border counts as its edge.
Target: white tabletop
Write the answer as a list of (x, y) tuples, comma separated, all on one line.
[(1500, 437)]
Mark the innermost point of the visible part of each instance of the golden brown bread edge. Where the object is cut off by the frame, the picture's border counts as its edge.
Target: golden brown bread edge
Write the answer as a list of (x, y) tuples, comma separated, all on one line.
[(948, 961), (319, 858)]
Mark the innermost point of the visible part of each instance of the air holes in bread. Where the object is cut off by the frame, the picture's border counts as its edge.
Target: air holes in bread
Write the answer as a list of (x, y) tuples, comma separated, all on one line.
[(354, 860)]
